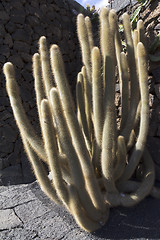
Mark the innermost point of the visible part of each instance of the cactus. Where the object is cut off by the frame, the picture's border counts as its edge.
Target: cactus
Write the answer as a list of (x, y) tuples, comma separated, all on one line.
[(92, 161)]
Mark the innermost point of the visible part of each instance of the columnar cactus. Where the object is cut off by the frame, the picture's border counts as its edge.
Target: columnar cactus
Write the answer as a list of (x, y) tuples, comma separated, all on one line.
[(93, 162)]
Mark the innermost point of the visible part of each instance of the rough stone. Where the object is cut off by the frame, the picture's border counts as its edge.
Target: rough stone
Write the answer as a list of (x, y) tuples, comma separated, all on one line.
[(10, 27), (9, 219), (153, 144), (6, 139), (17, 61), (1, 6), (5, 115), (158, 132), (27, 76), (11, 175), (21, 46), (21, 35), (119, 5), (30, 10), (18, 5), (4, 16), (158, 113), (152, 129), (157, 90), (18, 19), (27, 172), (8, 40), (17, 16), (26, 57), (2, 108), (39, 31), (156, 74), (26, 94), (32, 20), (1, 163), (5, 146), (157, 172), (13, 159), (39, 218), (2, 59), (8, 133), (2, 31), (4, 162), (18, 146), (4, 50)]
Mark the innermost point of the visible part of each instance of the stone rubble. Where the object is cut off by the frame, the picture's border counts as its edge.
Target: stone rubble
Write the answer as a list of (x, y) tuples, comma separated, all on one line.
[(26, 214)]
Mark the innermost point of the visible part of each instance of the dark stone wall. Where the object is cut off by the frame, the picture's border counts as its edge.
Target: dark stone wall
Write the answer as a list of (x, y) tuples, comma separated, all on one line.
[(21, 25)]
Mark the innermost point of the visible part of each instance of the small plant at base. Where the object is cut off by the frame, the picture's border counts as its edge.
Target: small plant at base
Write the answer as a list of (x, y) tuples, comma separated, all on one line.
[(92, 161)]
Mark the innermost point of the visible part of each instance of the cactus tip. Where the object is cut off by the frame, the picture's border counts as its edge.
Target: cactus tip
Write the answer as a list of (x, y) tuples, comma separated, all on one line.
[(141, 49), (35, 56), (104, 12), (125, 16), (8, 68), (42, 41)]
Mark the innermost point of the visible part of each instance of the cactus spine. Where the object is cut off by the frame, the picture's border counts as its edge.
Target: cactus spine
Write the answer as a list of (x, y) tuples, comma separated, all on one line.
[(89, 157)]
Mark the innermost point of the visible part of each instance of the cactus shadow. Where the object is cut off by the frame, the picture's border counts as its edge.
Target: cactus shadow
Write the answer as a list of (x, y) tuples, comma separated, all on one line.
[(140, 221)]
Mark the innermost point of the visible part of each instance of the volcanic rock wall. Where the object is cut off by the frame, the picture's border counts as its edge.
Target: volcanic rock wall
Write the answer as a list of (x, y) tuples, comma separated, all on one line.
[(21, 25)]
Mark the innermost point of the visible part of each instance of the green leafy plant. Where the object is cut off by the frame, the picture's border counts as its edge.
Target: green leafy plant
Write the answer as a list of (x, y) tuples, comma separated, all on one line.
[(135, 15), (94, 163)]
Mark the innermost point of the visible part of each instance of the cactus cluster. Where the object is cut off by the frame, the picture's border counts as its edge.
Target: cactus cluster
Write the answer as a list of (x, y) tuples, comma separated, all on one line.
[(95, 164)]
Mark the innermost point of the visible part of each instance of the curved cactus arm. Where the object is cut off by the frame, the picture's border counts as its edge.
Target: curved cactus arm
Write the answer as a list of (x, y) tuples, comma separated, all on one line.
[(22, 121), (113, 28), (134, 132), (124, 89), (144, 121), (77, 174), (98, 108), (60, 78), (104, 32), (89, 31), (135, 42), (134, 98), (121, 158), (132, 140), (65, 171), (41, 173), (88, 102), (38, 84), (97, 95), (132, 186), (50, 144), (141, 31), (45, 66), (80, 95), (138, 194), (84, 44), (109, 129), (79, 213), (74, 128)]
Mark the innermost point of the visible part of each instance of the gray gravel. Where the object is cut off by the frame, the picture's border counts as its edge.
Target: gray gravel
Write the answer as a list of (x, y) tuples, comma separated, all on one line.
[(26, 213)]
